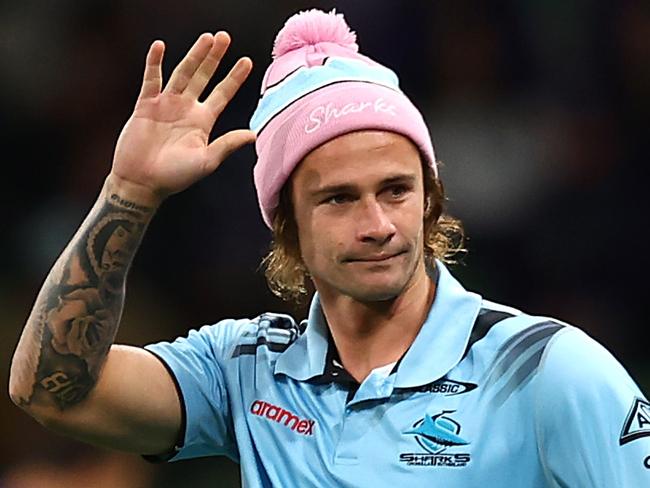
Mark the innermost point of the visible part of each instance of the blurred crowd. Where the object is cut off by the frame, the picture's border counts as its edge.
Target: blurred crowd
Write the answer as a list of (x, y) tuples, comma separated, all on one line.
[(538, 113)]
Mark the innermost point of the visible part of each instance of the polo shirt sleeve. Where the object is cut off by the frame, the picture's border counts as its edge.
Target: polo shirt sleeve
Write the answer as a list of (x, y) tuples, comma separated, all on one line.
[(197, 364), (590, 417)]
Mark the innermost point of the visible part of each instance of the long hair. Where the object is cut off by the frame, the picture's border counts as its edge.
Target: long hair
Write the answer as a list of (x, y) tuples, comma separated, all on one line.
[(286, 273)]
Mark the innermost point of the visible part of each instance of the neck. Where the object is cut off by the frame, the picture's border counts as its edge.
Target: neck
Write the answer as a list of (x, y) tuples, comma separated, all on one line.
[(372, 334)]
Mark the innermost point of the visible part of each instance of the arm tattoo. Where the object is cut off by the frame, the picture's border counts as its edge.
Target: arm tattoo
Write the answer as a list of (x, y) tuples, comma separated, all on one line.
[(77, 313)]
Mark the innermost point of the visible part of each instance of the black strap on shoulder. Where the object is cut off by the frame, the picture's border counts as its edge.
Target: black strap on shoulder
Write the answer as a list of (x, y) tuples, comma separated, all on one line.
[(484, 322)]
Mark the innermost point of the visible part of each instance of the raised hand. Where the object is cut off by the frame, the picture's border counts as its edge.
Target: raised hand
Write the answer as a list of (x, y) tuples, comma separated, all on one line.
[(164, 147), (65, 371)]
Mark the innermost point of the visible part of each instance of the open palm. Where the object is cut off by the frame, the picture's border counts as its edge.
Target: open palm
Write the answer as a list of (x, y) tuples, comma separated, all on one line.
[(164, 147)]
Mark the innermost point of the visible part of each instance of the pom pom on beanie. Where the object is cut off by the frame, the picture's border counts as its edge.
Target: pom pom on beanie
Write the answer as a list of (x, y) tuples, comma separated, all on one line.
[(313, 27)]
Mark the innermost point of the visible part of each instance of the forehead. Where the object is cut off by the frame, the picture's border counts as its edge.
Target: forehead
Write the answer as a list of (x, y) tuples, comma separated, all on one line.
[(360, 156)]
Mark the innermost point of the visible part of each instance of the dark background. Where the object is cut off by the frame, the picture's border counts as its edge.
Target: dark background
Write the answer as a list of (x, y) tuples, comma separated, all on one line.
[(538, 111)]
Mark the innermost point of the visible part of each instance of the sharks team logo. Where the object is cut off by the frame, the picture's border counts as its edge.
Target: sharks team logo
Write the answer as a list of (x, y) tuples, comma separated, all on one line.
[(435, 435)]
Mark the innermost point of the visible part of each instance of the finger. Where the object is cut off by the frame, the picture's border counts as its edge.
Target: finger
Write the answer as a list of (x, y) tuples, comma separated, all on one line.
[(152, 79), (224, 146), (226, 89), (209, 65), (185, 70)]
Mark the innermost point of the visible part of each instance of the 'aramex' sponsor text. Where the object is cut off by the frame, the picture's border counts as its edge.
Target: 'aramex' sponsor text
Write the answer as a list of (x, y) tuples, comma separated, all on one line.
[(282, 416)]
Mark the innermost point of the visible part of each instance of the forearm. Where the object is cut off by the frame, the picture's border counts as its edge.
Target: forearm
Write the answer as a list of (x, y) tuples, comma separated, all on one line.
[(77, 312)]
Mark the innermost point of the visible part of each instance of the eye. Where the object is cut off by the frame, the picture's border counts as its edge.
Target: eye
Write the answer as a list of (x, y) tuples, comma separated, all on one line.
[(397, 191), (338, 199)]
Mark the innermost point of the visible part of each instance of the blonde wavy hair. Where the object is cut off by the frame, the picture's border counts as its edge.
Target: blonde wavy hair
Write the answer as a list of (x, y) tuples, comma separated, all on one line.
[(286, 273)]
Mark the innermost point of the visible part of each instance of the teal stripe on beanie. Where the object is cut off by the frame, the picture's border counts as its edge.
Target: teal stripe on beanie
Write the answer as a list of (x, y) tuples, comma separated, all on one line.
[(306, 80)]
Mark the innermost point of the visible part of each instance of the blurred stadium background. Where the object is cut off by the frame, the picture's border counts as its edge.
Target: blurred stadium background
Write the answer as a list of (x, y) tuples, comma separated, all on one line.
[(538, 110)]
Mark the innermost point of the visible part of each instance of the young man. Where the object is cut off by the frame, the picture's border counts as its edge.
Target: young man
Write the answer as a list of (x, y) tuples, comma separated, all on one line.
[(398, 375)]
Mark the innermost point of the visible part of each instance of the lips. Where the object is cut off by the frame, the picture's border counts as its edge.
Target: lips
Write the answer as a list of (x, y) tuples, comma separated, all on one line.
[(373, 258)]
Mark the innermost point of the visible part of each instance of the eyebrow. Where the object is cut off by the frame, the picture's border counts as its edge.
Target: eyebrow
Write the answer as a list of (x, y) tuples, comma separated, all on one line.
[(348, 188)]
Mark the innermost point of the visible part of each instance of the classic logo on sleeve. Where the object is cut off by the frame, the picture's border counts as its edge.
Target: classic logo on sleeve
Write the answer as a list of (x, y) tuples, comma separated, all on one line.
[(637, 423), (436, 435), (448, 387)]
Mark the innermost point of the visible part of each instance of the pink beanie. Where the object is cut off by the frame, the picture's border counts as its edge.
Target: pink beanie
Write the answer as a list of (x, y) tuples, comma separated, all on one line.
[(319, 87)]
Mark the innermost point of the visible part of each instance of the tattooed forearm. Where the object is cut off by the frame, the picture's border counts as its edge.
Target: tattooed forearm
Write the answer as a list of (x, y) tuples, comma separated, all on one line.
[(76, 315), (117, 200)]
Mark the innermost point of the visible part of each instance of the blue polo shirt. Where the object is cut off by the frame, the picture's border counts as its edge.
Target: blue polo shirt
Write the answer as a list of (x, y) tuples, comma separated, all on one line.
[(485, 396)]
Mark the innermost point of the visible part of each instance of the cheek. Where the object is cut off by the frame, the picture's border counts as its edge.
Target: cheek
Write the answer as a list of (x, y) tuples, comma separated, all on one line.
[(323, 247), (308, 243), (410, 221), (319, 244)]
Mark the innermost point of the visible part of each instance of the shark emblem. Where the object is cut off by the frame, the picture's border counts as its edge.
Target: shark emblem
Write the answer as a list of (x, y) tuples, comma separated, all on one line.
[(437, 433)]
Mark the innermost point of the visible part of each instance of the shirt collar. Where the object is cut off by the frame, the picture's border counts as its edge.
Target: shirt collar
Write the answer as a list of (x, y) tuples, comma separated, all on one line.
[(305, 358), (441, 342), (438, 347)]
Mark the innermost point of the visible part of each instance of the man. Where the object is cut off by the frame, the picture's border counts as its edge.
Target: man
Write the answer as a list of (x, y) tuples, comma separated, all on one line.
[(399, 375)]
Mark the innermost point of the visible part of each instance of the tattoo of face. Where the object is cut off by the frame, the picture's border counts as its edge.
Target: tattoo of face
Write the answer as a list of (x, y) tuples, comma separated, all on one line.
[(111, 243)]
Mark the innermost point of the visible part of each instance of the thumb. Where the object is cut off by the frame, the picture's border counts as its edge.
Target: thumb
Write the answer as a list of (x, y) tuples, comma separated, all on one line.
[(225, 145)]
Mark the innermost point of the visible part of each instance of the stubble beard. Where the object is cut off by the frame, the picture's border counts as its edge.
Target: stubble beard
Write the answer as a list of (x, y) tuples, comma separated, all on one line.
[(373, 293)]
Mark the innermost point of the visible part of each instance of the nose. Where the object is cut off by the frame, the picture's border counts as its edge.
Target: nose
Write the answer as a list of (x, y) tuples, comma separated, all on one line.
[(374, 224)]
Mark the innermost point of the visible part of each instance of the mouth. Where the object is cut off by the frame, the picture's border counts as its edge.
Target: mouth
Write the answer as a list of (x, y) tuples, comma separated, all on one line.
[(374, 258)]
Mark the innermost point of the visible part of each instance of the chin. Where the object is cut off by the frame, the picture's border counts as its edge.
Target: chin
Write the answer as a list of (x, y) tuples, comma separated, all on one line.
[(376, 292)]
